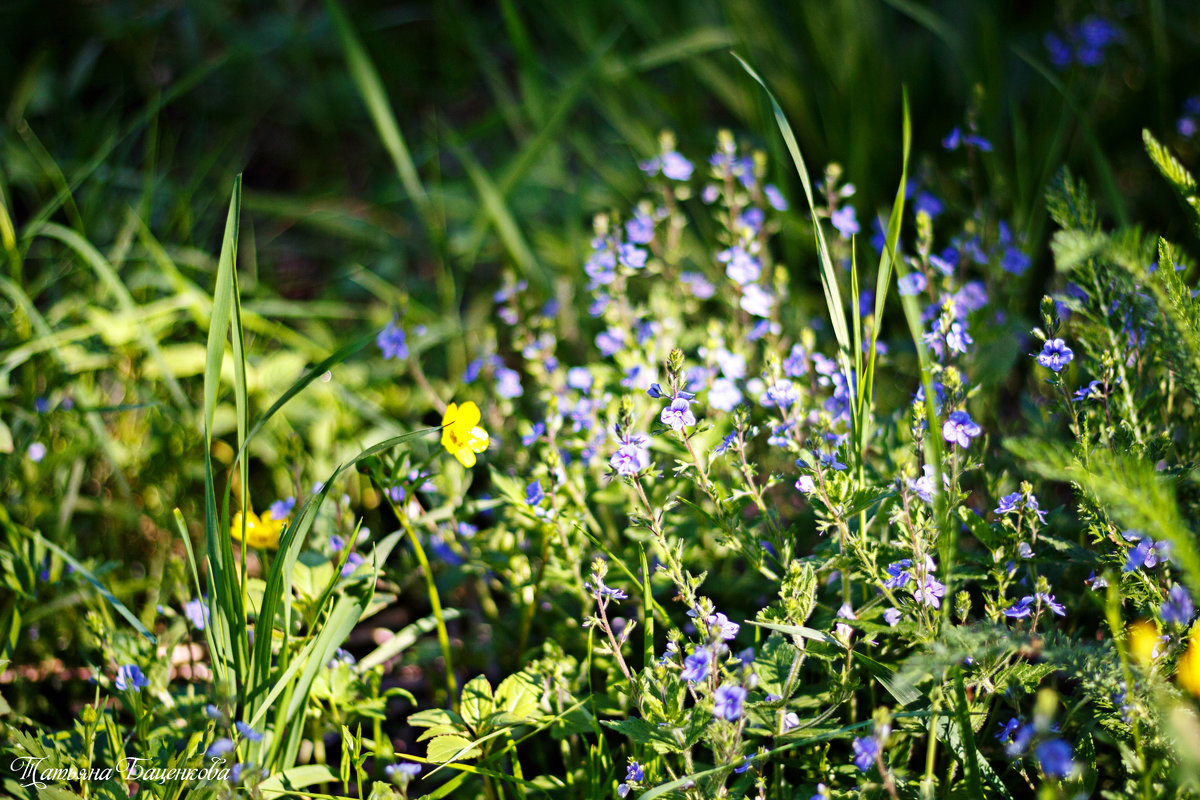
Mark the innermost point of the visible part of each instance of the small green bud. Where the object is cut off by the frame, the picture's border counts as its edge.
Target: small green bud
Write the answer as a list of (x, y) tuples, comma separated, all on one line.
[(962, 605)]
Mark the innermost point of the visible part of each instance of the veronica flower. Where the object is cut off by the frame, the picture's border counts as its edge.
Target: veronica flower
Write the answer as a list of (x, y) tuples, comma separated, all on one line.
[(391, 342), (130, 677), (898, 574), (1056, 758), (912, 284), (728, 701), (197, 612), (845, 219), (724, 395), (600, 591), (756, 301), (1178, 607), (632, 456), (221, 747), (1055, 355), (1009, 503), (720, 625), (678, 415), (930, 592), (866, 748), (247, 732), (783, 394), (534, 494), (775, 197), (806, 484), (960, 429), (640, 228), (696, 665)]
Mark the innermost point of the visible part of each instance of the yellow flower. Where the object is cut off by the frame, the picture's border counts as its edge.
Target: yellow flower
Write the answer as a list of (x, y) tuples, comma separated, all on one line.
[(461, 435), (1144, 642), (262, 532), (1187, 671)]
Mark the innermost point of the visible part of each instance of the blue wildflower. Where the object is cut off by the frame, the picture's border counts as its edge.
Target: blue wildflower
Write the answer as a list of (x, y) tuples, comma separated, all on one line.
[(1015, 261), (756, 301), (960, 429), (600, 591), (1056, 758), (866, 748), (640, 228), (391, 341), (1055, 355), (845, 219), (725, 444), (281, 508), (782, 393), (1009, 728), (539, 430), (722, 626), (728, 702), (130, 677), (775, 197), (678, 415), (1009, 503), (220, 748), (197, 612), (929, 204), (912, 284), (898, 574), (610, 341), (724, 395), (534, 494), (508, 383), (700, 286), (247, 732), (1178, 607), (696, 665)]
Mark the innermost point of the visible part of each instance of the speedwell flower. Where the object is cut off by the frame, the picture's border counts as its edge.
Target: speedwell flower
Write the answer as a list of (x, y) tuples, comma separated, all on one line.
[(461, 435)]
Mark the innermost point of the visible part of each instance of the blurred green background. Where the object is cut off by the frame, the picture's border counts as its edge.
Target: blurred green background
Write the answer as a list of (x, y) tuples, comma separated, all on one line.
[(553, 102)]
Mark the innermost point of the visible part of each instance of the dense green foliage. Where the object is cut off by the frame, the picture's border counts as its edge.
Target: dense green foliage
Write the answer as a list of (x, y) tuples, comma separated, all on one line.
[(837, 429)]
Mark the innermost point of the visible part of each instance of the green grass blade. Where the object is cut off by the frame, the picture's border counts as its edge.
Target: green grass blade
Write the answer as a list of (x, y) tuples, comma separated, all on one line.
[(883, 282), (829, 282), (230, 619)]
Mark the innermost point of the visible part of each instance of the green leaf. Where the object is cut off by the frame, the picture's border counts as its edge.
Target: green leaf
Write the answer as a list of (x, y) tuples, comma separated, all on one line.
[(477, 704), (443, 749), (518, 695), (641, 732)]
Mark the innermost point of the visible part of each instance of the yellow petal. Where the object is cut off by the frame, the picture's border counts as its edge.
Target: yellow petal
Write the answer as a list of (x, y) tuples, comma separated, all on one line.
[(447, 422), (1143, 640), (468, 416), (478, 440), (466, 456), (1188, 671)]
